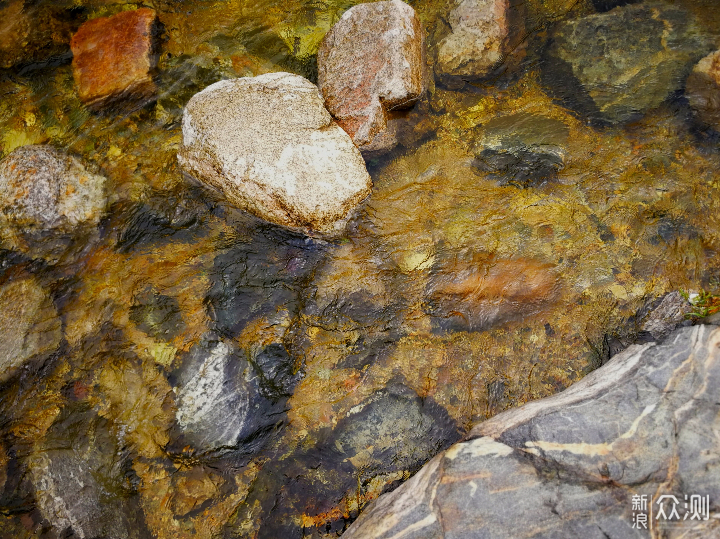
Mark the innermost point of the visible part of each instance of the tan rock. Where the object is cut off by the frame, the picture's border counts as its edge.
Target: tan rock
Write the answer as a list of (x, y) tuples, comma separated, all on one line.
[(703, 89), (272, 148), (370, 63), (113, 57)]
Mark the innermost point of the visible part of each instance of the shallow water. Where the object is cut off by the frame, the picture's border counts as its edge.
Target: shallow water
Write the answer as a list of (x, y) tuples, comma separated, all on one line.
[(455, 294)]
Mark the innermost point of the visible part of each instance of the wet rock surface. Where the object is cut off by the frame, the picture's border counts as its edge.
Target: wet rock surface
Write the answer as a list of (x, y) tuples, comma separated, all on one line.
[(615, 66), (703, 89), (483, 33), (371, 63), (271, 147), (29, 324), (578, 457), (47, 200), (113, 57)]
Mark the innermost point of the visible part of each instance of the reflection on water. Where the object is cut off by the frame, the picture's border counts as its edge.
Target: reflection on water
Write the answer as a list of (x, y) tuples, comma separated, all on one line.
[(509, 238)]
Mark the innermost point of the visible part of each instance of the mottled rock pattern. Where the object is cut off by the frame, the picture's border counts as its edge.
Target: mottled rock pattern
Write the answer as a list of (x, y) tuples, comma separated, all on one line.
[(569, 465), (667, 315), (29, 324), (521, 149), (483, 33), (371, 62), (47, 195), (703, 89), (614, 66), (272, 148), (113, 57)]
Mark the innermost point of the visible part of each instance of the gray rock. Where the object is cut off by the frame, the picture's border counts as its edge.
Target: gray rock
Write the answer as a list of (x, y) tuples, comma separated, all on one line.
[(483, 33), (703, 89), (29, 324), (568, 465), (47, 201), (521, 149), (666, 316), (370, 63), (272, 148), (617, 65)]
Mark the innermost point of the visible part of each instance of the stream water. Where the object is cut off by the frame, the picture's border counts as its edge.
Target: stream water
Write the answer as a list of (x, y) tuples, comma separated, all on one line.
[(461, 288)]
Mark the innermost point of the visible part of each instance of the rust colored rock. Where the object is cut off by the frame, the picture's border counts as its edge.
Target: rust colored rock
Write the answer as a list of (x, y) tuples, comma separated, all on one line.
[(370, 63), (703, 89), (113, 57)]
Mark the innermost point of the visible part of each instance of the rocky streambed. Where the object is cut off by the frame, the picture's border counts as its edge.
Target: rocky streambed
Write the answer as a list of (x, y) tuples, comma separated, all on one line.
[(439, 269)]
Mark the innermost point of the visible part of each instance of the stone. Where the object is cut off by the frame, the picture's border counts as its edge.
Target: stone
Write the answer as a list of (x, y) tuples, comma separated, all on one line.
[(113, 57), (270, 146), (483, 33), (29, 324), (371, 63), (703, 89), (615, 66), (569, 465), (521, 149), (47, 198), (665, 316)]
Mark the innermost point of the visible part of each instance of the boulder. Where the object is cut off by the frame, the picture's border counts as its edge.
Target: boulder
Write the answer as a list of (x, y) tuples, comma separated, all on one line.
[(29, 324), (573, 465), (370, 63), (483, 33), (615, 66), (47, 198), (521, 149), (270, 146), (113, 57), (703, 89)]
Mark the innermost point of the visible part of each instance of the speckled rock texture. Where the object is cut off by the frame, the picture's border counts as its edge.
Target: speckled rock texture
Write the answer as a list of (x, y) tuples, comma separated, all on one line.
[(703, 89), (46, 198), (614, 66), (272, 148), (645, 423), (483, 33), (113, 57), (29, 324), (370, 63)]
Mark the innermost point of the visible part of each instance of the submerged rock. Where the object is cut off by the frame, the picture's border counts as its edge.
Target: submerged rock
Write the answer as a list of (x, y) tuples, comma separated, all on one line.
[(47, 198), (29, 324), (571, 464), (271, 147), (113, 57), (370, 63), (703, 89), (521, 149), (615, 66), (483, 33)]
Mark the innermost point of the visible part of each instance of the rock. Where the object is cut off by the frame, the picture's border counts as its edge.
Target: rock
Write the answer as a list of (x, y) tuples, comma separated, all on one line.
[(113, 57), (569, 465), (615, 66), (607, 5), (29, 324), (370, 63), (665, 316), (47, 198), (703, 89), (483, 33), (224, 401), (521, 149), (272, 148)]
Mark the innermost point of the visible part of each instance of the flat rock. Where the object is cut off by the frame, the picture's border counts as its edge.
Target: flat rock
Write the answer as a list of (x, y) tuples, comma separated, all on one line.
[(703, 89), (569, 465), (615, 66), (46, 198), (521, 149), (113, 57), (270, 146), (29, 324), (370, 63), (483, 33)]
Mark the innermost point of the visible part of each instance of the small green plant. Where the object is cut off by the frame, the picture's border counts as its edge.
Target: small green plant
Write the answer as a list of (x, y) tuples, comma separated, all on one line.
[(703, 304)]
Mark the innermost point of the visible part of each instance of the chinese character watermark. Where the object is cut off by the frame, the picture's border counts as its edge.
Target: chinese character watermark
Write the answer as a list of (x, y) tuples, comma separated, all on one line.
[(667, 509)]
